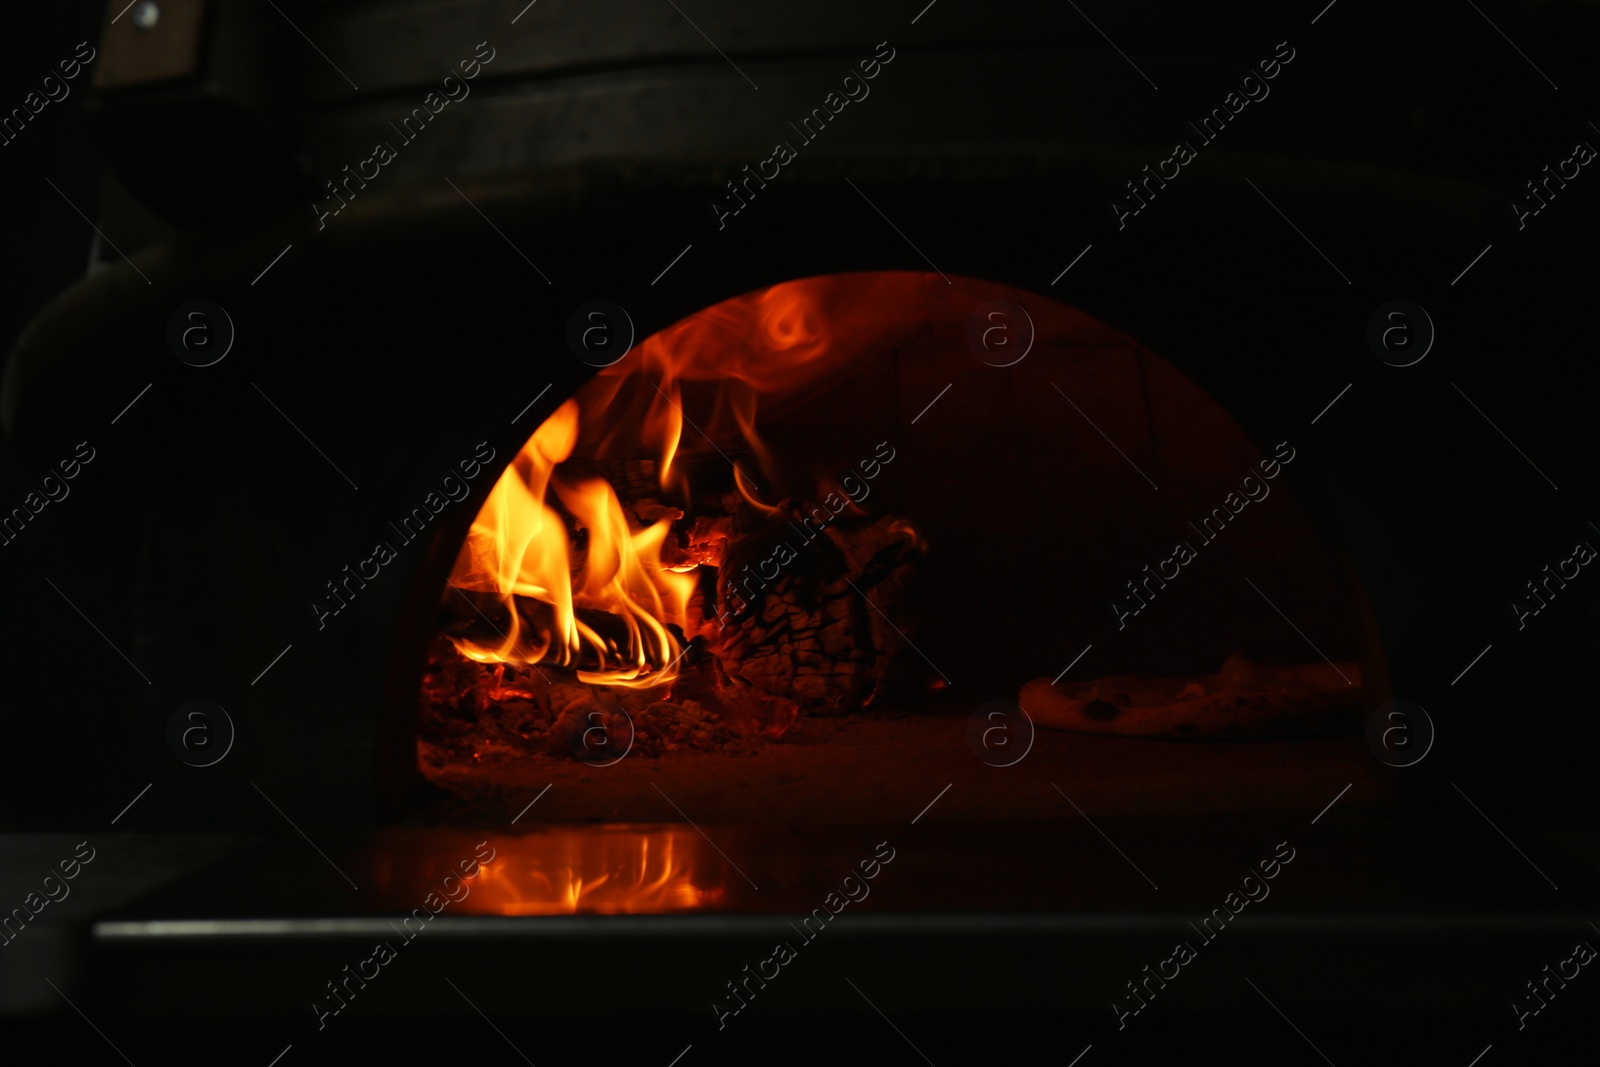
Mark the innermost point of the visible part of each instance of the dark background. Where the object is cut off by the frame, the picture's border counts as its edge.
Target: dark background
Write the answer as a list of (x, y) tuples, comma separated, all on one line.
[(48, 242)]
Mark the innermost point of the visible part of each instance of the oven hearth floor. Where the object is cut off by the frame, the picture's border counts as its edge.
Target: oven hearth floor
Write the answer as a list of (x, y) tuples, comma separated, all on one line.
[(884, 764)]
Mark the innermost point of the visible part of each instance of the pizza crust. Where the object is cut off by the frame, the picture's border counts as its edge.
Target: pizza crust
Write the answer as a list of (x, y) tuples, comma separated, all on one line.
[(1243, 699)]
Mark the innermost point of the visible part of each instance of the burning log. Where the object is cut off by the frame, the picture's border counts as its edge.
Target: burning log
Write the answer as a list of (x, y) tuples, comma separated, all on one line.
[(799, 612), (483, 620), (808, 617)]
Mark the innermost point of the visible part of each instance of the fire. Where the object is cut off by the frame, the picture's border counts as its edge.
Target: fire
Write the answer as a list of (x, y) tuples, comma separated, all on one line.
[(519, 545), (618, 872), (609, 606)]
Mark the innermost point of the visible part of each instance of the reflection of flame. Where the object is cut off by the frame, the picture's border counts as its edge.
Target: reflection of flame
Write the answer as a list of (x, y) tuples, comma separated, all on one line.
[(520, 543), (611, 873)]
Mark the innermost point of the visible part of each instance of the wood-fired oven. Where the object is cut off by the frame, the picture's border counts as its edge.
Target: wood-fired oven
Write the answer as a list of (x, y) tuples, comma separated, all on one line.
[(683, 469)]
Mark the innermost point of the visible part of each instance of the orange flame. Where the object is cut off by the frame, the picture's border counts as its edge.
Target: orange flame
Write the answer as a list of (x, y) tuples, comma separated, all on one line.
[(523, 542), (519, 546)]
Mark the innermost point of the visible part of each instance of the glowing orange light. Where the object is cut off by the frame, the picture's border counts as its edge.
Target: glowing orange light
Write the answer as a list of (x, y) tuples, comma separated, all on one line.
[(599, 873), (525, 541)]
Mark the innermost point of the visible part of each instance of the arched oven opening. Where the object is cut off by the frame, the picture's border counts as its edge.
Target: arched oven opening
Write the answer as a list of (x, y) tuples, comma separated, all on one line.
[(800, 550)]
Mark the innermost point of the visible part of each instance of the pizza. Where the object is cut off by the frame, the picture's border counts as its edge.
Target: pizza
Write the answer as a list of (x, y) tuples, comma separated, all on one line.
[(1244, 699)]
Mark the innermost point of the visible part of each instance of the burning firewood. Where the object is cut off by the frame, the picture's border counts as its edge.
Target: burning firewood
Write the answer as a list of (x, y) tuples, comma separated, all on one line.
[(757, 614), (483, 620), (807, 616)]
